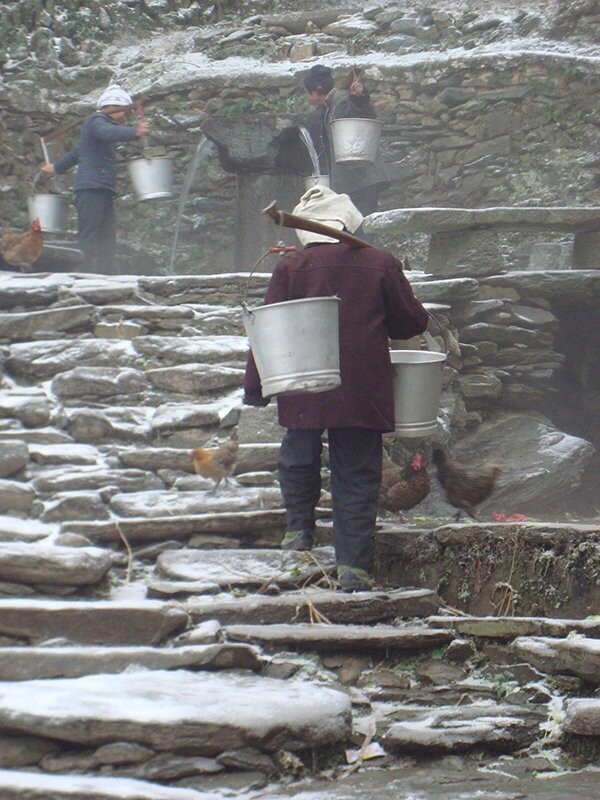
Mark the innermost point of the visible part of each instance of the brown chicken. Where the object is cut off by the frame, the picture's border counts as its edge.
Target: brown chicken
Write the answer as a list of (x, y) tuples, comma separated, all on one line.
[(22, 249), (464, 491), (217, 463), (403, 487)]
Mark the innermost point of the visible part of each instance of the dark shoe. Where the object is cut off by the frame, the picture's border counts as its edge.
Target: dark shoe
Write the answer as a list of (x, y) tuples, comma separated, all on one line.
[(353, 579), (297, 540)]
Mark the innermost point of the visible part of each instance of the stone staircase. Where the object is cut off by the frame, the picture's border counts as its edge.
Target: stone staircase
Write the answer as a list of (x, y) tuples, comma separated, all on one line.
[(156, 644)]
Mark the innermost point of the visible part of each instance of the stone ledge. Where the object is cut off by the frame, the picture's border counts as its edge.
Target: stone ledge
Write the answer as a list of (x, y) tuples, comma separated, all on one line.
[(516, 218)]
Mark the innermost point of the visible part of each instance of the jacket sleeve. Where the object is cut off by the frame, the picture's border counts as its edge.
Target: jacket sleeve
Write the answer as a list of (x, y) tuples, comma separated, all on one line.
[(405, 315), (108, 131), (67, 161)]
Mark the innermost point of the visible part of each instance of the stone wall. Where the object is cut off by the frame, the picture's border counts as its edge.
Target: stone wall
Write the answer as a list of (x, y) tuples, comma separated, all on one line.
[(470, 126)]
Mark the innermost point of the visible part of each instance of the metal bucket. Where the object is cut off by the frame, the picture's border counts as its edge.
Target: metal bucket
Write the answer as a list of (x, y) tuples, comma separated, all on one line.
[(417, 390), (295, 345), (316, 180), (51, 210), (355, 139), (152, 178)]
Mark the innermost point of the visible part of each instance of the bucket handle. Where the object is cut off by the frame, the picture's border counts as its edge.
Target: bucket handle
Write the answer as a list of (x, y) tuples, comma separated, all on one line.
[(45, 176), (279, 249), (441, 330)]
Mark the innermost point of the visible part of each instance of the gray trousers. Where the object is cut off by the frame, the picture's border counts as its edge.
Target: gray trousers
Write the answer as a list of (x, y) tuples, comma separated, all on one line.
[(355, 464)]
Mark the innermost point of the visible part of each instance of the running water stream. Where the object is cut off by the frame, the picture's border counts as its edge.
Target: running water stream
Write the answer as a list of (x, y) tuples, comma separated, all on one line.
[(201, 152), (307, 139)]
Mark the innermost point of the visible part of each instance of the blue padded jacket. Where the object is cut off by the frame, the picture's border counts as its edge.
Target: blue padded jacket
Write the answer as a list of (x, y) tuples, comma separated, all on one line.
[(95, 153)]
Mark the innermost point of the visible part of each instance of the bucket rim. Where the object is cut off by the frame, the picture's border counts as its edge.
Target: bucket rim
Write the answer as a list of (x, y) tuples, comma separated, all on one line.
[(357, 119), (254, 309), (427, 356), (149, 158)]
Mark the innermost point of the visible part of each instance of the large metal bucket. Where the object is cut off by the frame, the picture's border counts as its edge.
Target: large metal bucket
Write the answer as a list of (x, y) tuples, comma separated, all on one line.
[(51, 210), (355, 139), (295, 345), (152, 178), (316, 180), (417, 390)]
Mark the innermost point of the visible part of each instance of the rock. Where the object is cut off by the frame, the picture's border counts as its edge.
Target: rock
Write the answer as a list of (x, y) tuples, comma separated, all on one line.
[(13, 529), (22, 664), (364, 607), (582, 717), (483, 726), (206, 714), (81, 382), (52, 565), (15, 497), (24, 751), (99, 622), (245, 567), (339, 638), (575, 655), (13, 457), (14, 784)]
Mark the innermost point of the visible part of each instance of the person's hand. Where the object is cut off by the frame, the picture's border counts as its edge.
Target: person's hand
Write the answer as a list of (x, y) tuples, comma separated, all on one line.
[(47, 168), (142, 128), (356, 87)]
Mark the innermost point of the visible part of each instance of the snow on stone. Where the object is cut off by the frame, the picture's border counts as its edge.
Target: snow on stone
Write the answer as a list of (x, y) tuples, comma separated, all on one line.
[(178, 709), (38, 786)]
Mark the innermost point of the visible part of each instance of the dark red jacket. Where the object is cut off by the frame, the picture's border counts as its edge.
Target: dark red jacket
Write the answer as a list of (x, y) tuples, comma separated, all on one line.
[(377, 303)]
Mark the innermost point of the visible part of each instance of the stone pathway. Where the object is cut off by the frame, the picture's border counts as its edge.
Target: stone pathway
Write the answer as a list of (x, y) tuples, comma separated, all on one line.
[(155, 644)]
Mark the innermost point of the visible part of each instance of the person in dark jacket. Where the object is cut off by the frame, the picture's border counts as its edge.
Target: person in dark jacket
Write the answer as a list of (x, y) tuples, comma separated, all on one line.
[(376, 304), (363, 181), (95, 181)]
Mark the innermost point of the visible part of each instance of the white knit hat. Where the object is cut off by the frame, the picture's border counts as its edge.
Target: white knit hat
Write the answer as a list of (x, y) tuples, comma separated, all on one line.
[(322, 204), (113, 95)]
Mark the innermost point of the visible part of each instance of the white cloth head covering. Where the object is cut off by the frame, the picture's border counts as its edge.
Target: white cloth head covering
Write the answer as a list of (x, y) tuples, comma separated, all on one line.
[(322, 204), (113, 95)]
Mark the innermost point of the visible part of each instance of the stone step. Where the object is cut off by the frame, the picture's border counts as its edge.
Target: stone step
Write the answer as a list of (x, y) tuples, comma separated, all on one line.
[(575, 655), (512, 627), (202, 714), (148, 622), (43, 564), (455, 729), (339, 638), (247, 525), (17, 785), (32, 663), (314, 604), (247, 568)]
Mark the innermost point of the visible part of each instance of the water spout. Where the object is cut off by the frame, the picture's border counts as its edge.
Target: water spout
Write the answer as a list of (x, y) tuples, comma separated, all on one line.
[(307, 139)]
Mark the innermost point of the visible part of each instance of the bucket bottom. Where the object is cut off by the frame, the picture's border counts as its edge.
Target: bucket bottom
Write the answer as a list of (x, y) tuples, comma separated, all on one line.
[(300, 383), (416, 430)]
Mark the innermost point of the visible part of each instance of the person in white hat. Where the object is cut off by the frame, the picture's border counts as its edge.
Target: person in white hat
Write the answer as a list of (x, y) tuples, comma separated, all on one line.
[(95, 180), (376, 304)]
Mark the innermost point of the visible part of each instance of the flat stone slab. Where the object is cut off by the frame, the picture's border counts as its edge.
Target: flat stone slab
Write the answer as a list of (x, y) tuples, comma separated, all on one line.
[(576, 655), (203, 714), (141, 529), (512, 627), (15, 785), (228, 499), (30, 663), (96, 622), (582, 717), (336, 607), (14, 529), (246, 567), (434, 220), (458, 729), (340, 637), (46, 564)]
